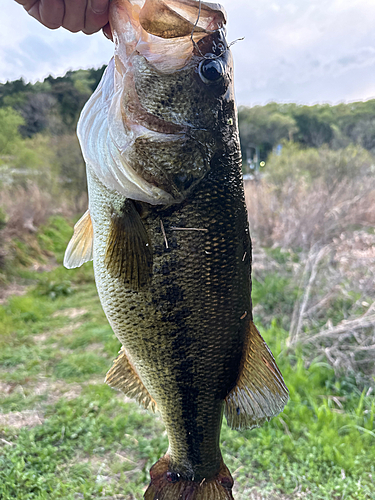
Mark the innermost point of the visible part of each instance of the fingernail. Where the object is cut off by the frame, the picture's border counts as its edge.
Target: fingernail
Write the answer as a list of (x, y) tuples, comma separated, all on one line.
[(99, 6), (107, 32)]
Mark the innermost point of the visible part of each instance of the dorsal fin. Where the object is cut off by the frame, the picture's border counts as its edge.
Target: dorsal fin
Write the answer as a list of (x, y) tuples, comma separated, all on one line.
[(260, 392), (80, 247), (129, 253), (124, 377)]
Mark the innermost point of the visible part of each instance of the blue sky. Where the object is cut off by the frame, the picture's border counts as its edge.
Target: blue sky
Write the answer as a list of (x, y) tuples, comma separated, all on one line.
[(301, 51)]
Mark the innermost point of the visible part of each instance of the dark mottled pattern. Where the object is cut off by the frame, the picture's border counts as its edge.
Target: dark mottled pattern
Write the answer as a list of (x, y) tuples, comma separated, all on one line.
[(185, 334), (191, 111)]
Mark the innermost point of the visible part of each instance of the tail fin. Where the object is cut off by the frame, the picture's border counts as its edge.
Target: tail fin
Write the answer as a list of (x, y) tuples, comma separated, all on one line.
[(168, 485)]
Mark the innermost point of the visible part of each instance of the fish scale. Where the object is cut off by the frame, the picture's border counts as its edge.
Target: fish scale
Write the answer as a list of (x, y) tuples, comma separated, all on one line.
[(205, 269), (167, 229)]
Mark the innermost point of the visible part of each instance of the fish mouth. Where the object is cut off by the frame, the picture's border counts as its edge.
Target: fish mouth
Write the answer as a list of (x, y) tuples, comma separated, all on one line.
[(134, 133), (165, 33)]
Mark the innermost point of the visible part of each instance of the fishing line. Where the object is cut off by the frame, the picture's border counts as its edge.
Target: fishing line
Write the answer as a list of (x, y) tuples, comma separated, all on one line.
[(195, 45)]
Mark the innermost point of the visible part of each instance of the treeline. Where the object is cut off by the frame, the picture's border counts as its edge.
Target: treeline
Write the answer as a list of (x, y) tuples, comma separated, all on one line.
[(38, 140), (51, 106), (337, 126), (38, 143)]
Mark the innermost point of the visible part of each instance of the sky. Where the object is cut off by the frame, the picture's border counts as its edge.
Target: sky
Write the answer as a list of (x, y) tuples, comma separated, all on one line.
[(303, 51)]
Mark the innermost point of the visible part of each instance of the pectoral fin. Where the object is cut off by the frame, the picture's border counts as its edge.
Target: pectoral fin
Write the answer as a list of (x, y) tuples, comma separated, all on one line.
[(260, 392), (123, 376), (80, 247), (129, 252)]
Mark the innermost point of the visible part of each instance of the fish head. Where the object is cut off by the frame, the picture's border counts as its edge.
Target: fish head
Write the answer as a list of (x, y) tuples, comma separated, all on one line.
[(165, 104), (179, 71), (174, 71)]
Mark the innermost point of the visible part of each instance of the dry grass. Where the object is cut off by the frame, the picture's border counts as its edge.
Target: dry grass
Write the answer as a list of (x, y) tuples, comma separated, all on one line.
[(26, 209), (299, 216), (335, 313), (331, 229), (19, 419)]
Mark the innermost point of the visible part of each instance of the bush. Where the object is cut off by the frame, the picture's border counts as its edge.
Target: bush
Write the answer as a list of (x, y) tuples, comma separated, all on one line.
[(310, 196)]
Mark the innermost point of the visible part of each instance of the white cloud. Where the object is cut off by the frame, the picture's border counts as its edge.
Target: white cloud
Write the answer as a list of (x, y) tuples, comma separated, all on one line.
[(294, 50), (31, 51)]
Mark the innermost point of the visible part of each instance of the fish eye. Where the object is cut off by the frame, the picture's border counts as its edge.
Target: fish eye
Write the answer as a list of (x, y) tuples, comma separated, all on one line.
[(211, 70)]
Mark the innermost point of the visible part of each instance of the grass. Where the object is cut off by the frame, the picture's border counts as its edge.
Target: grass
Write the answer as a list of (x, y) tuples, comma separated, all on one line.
[(65, 435)]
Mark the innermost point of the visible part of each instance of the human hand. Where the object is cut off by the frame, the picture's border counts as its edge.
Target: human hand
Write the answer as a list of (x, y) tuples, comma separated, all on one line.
[(88, 16)]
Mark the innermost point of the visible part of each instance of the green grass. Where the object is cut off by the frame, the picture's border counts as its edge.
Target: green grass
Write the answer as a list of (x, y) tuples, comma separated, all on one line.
[(54, 352)]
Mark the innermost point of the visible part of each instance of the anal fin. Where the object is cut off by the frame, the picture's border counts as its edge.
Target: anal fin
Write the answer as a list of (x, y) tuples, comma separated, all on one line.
[(124, 377), (260, 392), (80, 247), (129, 253)]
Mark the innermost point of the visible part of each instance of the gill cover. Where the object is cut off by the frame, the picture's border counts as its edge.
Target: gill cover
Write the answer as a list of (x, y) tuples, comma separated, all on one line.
[(113, 126)]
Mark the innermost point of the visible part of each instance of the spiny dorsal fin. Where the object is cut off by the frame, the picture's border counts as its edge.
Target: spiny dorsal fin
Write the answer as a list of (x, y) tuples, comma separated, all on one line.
[(80, 247), (129, 252), (260, 392), (123, 376)]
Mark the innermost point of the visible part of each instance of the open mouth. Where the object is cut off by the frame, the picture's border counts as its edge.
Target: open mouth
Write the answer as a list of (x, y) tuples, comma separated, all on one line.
[(178, 18), (163, 31), (124, 130)]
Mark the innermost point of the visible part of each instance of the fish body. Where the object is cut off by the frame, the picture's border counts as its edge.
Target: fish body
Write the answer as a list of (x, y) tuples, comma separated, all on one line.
[(168, 232)]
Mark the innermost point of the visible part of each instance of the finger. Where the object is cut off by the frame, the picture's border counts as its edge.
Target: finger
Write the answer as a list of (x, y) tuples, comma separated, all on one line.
[(48, 12), (99, 6), (74, 17), (27, 4), (96, 15), (108, 32)]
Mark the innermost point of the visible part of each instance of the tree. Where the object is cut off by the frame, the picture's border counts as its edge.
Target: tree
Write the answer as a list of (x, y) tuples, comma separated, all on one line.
[(10, 138), (265, 127), (314, 125)]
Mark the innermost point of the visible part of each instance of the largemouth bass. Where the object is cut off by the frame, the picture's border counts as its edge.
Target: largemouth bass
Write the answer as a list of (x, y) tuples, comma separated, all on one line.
[(167, 229)]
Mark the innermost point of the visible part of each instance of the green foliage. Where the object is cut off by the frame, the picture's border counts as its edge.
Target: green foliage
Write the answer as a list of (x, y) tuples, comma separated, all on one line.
[(10, 139), (264, 126), (275, 297), (314, 125), (3, 219), (19, 401), (71, 170), (80, 366), (310, 126), (308, 165), (24, 161), (54, 236), (51, 106), (14, 87), (54, 289), (50, 461), (83, 81)]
